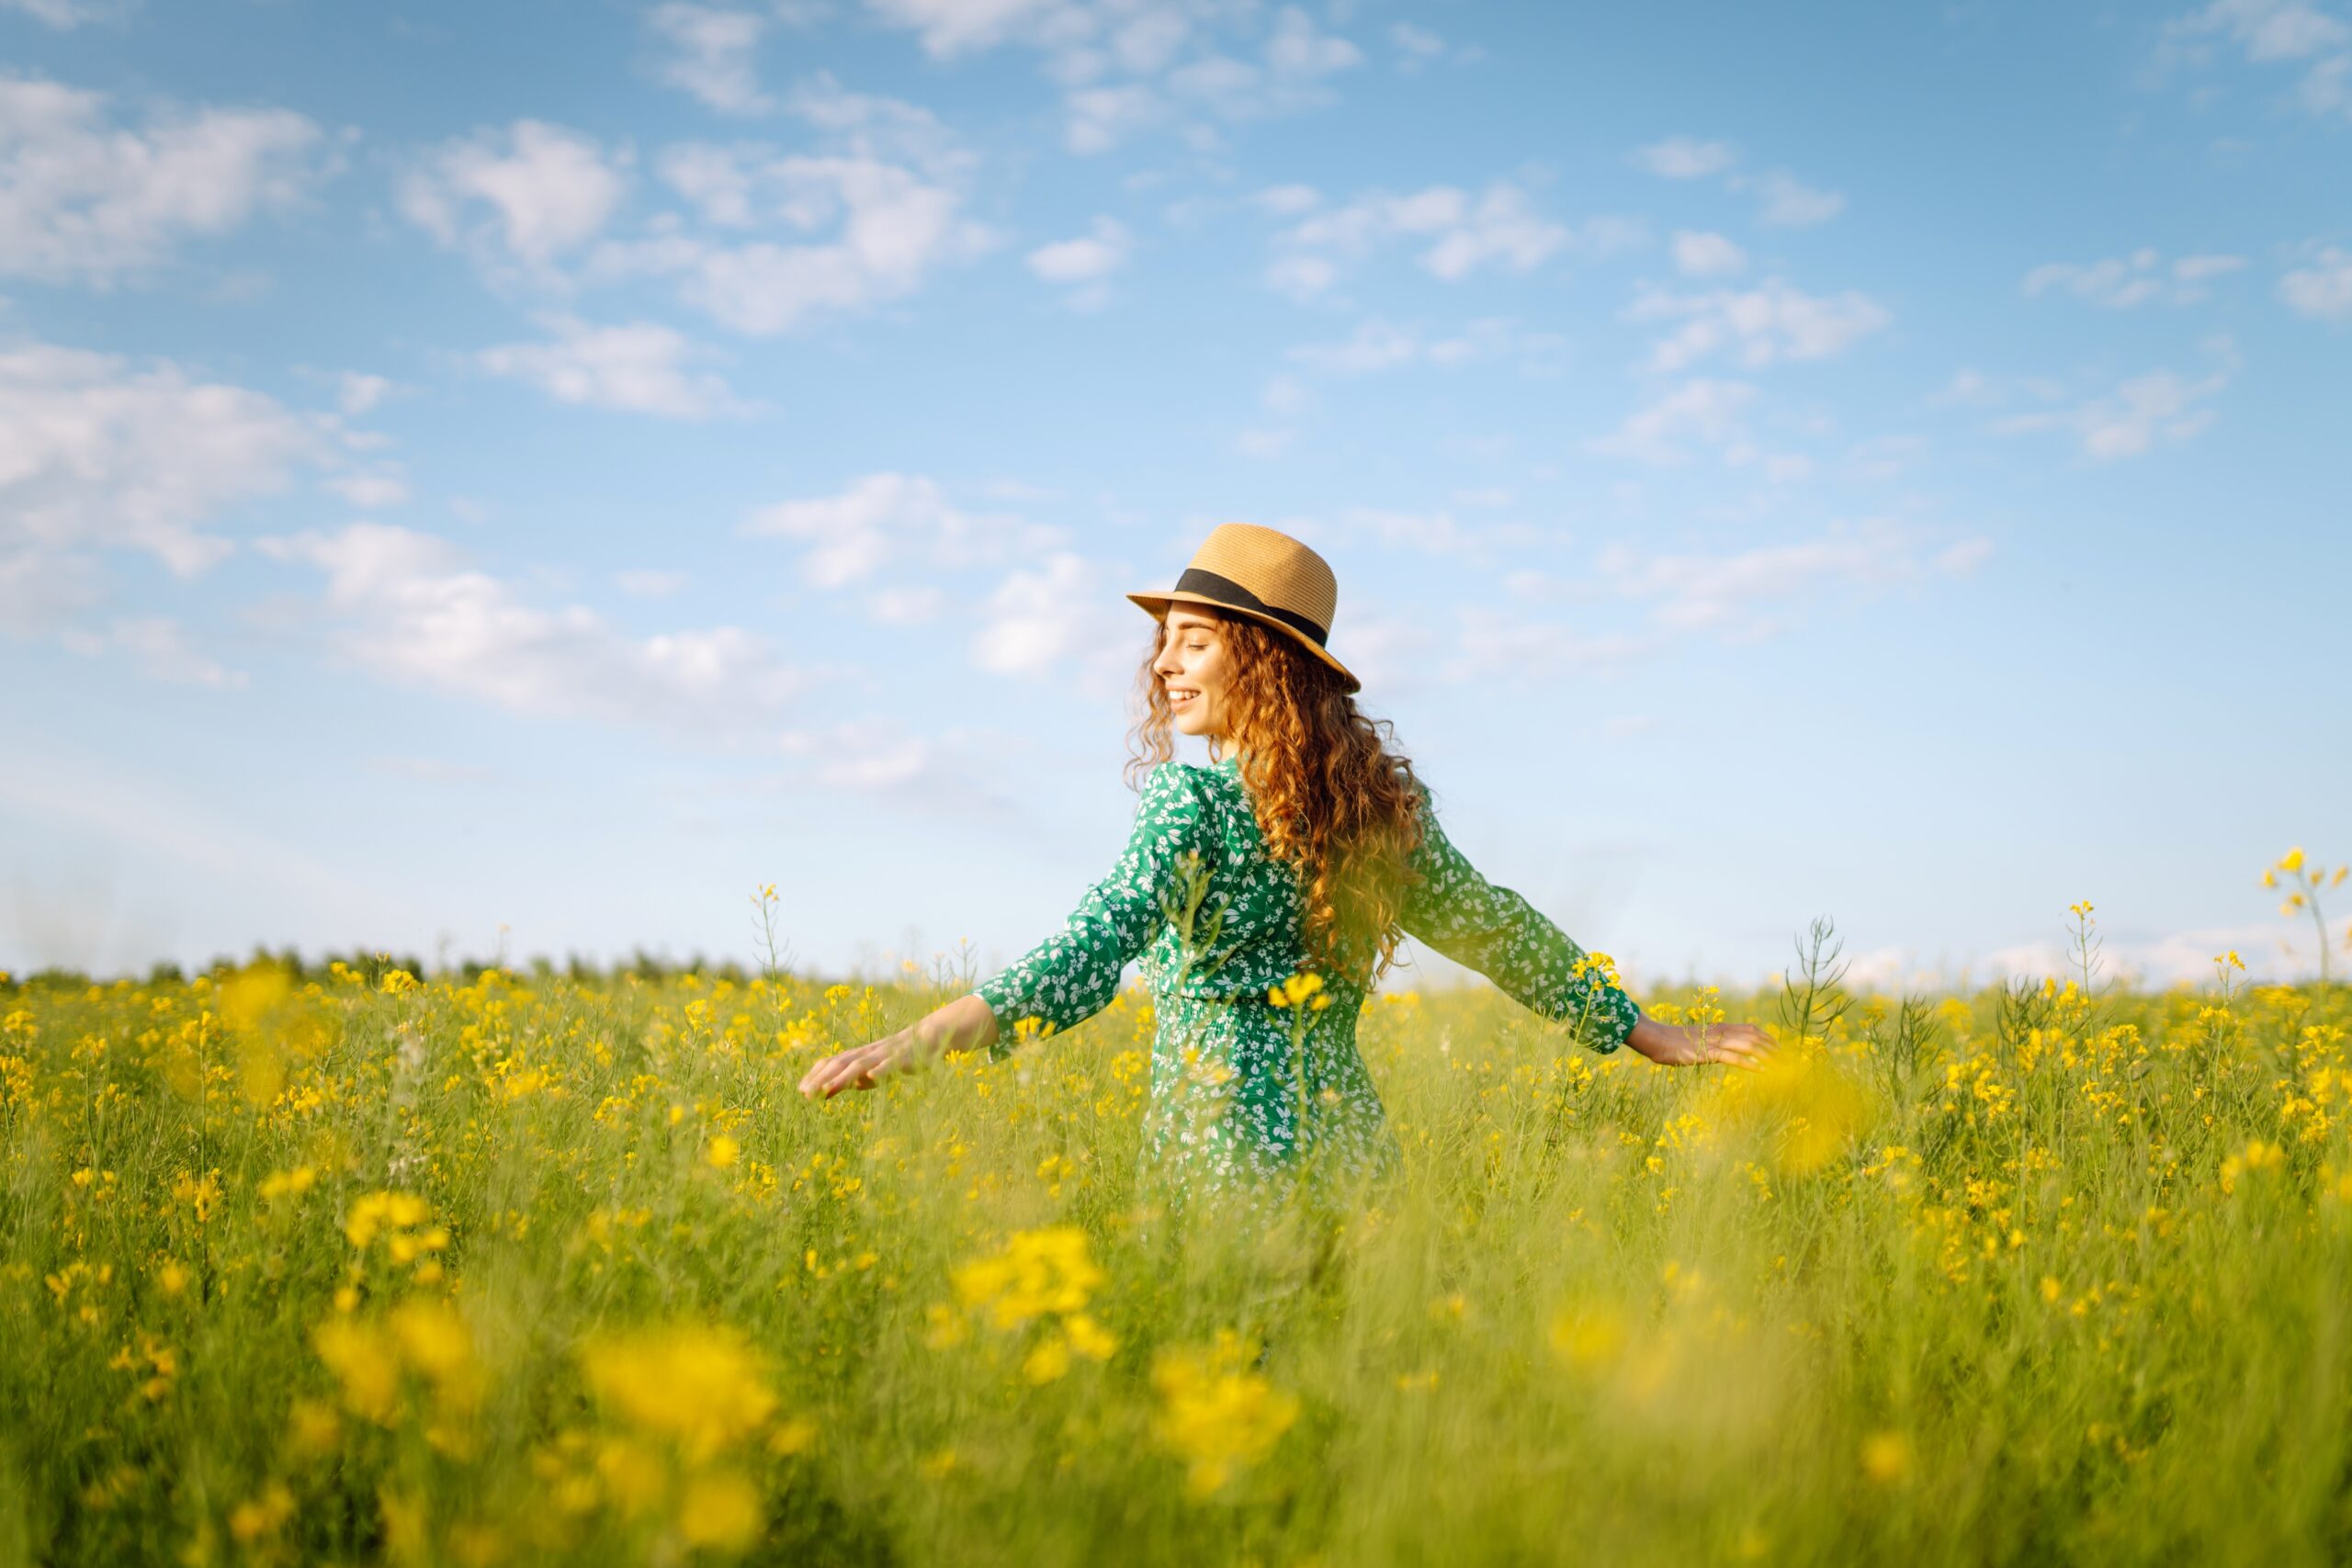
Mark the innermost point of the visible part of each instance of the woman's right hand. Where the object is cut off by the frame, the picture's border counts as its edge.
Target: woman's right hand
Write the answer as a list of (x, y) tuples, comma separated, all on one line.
[(1687, 1045), (965, 1024), (860, 1065)]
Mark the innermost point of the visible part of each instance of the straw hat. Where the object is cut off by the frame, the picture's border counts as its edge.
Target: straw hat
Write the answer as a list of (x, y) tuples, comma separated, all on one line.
[(1265, 574)]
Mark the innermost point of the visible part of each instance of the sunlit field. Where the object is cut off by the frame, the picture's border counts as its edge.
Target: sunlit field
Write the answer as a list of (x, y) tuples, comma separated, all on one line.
[(352, 1264)]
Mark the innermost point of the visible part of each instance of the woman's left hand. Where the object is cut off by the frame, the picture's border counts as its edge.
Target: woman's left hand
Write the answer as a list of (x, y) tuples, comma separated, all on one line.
[(859, 1067), (1687, 1045)]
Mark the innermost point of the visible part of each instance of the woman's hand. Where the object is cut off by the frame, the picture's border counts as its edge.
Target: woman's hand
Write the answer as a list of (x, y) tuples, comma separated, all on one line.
[(964, 1024), (859, 1068), (1687, 1044)]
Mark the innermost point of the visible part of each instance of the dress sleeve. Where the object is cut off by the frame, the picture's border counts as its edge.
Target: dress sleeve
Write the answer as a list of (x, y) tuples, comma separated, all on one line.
[(1073, 974), (1502, 936)]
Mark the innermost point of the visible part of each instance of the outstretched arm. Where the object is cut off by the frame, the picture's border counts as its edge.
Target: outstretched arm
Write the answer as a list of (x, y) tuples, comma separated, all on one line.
[(1065, 979), (964, 1024), (1074, 974), (1494, 930), (1501, 935)]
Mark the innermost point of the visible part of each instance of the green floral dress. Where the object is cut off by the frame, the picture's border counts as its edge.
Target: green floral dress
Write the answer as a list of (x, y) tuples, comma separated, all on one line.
[(1249, 1087)]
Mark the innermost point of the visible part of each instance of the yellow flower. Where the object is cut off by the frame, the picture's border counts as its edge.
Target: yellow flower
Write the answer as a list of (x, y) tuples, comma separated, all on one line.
[(367, 1366), (1050, 1360), (1215, 1413), (262, 1515), (1585, 1337), (434, 1340), (288, 1183), (701, 1387), (1038, 1272), (313, 1427), (1886, 1457), (1295, 990), (1088, 1339), (724, 1151), (2292, 859), (720, 1509)]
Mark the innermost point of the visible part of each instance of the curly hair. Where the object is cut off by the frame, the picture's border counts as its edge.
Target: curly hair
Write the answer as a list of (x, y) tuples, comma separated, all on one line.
[(1329, 796)]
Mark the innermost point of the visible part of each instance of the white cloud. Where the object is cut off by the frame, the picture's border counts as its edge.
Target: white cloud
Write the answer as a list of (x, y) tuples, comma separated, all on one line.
[(638, 368), (1702, 411), (1459, 233), (1770, 323), (946, 773), (1264, 445), (67, 14), (1707, 255), (160, 647), (1286, 396), (1432, 533), (1128, 65), (85, 200), (1301, 277), (367, 491), (2273, 952), (96, 455), (1378, 344), (950, 28), (889, 186), (359, 393), (1790, 202), (2120, 283), (1968, 386), (1736, 594), (888, 518), (1081, 260), (713, 51), (2141, 412), (42, 590), (1102, 118), (408, 609), (2270, 33), (2323, 289), (533, 190), (1786, 200), (1287, 201), (1056, 612), (650, 584), (1416, 46), (906, 606), (1086, 260), (1491, 646), (1300, 51), (1686, 158)]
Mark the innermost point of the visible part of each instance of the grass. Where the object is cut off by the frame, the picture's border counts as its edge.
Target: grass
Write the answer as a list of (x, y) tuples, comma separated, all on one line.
[(350, 1267)]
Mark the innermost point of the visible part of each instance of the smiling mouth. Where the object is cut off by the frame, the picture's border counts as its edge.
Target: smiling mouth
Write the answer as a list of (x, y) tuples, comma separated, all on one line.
[(1177, 699)]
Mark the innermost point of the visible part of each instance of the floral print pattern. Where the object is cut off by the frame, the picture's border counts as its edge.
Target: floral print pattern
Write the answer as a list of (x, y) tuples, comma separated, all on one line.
[(1249, 1091)]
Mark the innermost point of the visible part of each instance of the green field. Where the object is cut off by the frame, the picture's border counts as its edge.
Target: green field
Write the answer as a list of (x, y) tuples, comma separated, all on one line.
[(341, 1266)]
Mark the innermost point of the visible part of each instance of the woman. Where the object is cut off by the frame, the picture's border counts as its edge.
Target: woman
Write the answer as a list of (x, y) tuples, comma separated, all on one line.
[(1267, 892)]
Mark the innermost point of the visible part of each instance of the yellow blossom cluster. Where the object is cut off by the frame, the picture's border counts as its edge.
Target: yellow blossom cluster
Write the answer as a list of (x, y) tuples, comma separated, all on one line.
[(1215, 1413), (420, 1341), (1043, 1278)]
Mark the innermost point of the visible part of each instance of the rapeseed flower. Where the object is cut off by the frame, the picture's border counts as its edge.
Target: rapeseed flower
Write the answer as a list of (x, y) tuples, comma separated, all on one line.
[(1216, 1414)]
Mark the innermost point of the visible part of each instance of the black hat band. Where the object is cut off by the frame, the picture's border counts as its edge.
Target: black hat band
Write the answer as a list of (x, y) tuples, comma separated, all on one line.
[(1225, 591)]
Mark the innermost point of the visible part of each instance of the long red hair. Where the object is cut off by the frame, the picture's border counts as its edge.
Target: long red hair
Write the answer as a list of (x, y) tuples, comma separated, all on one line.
[(1330, 796)]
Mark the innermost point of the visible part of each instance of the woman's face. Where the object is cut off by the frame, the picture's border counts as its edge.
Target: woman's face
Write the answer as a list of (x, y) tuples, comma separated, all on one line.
[(1193, 668)]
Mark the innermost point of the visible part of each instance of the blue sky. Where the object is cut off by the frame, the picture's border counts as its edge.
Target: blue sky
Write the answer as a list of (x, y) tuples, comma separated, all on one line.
[(516, 478)]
